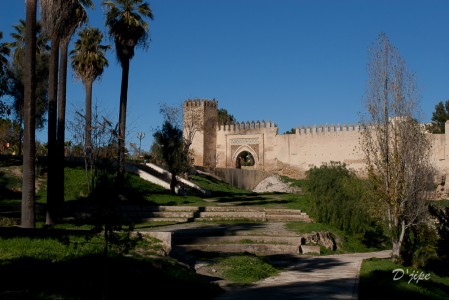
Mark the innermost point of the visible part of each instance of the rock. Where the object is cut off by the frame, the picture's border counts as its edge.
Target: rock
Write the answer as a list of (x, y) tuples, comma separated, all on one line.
[(321, 238)]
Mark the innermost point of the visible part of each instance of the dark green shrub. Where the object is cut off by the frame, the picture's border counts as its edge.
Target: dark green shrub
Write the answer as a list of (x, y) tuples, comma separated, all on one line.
[(440, 264), (420, 245), (337, 197)]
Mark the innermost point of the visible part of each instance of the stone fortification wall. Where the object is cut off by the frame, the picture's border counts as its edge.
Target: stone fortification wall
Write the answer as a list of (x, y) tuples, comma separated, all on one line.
[(219, 145), (313, 146), (288, 154)]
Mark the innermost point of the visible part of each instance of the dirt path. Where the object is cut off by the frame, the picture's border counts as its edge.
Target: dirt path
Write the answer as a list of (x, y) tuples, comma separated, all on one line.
[(311, 277)]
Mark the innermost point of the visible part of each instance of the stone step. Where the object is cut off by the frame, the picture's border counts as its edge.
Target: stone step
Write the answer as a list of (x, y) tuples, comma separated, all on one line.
[(160, 208), (167, 214), (237, 239), (252, 216), (283, 211), (282, 217), (166, 219), (233, 215), (252, 209), (258, 249), (232, 209)]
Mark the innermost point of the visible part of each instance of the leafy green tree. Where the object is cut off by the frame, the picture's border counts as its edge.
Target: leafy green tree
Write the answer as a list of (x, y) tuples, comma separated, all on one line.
[(88, 62), (224, 117), (439, 117), (125, 20), (29, 141), (170, 147), (291, 131)]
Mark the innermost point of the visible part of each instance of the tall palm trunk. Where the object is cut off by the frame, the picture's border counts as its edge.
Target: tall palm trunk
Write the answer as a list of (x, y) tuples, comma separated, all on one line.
[(28, 183), (61, 121), (122, 122), (52, 114), (88, 128)]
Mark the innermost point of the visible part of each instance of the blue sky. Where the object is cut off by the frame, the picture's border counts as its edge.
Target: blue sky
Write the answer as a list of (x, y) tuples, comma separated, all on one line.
[(291, 62)]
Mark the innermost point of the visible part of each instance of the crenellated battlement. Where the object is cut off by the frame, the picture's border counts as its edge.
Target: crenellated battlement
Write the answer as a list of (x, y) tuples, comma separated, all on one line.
[(240, 126), (328, 128), (201, 102)]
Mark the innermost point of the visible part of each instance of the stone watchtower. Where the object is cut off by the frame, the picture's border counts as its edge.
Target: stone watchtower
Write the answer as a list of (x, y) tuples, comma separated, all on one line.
[(200, 128)]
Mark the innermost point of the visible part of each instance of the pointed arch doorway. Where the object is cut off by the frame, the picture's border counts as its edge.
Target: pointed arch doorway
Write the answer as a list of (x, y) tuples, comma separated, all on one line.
[(244, 159)]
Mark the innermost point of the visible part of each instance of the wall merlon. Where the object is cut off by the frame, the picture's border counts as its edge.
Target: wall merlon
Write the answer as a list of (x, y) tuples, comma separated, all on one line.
[(201, 102), (253, 125), (327, 128)]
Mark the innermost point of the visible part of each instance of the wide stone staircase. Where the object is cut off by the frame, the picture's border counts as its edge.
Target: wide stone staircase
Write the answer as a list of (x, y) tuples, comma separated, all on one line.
[(226, 229)]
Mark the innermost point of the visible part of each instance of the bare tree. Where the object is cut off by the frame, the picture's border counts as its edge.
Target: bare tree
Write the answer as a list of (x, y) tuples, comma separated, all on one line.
[(395, 146), (103, 141)]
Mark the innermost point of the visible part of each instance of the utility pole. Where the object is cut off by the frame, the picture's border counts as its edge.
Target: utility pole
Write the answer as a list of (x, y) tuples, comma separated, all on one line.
[(140, 136)]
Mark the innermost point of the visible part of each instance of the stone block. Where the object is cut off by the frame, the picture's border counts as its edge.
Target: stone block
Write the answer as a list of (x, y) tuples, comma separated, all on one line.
[(310, 249)]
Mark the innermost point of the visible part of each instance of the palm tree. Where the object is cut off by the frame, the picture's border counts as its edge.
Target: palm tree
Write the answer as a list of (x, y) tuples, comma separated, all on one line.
[(88, 63), (29, 149), (4, 52), (16, 76), (128, 28), (57, 17), (18, 43)]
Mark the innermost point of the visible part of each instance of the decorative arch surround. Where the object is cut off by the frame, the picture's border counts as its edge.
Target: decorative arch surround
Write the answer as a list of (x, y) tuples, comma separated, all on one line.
[(249, 149)]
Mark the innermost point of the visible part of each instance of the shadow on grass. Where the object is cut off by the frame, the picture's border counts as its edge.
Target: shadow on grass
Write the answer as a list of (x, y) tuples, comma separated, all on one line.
[(43, 233), (97, 277)]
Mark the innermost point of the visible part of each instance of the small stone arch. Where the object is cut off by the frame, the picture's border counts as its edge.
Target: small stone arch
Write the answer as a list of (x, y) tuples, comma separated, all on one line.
[(240, 150)]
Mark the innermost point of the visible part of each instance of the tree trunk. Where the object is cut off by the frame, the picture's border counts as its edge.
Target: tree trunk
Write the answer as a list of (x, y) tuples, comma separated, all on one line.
[(21, 122), (61, 125), (397, 242), (29, 151), (173, 182), (52, 115), (88, 128), (88, 150), (122, 123)]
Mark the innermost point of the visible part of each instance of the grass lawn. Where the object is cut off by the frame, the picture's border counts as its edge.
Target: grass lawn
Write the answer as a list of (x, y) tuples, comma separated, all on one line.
[(67, 261), (378, 281), (64, 264)]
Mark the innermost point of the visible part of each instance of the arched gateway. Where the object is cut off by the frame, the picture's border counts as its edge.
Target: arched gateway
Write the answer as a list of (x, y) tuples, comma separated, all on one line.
[(258, 145)]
